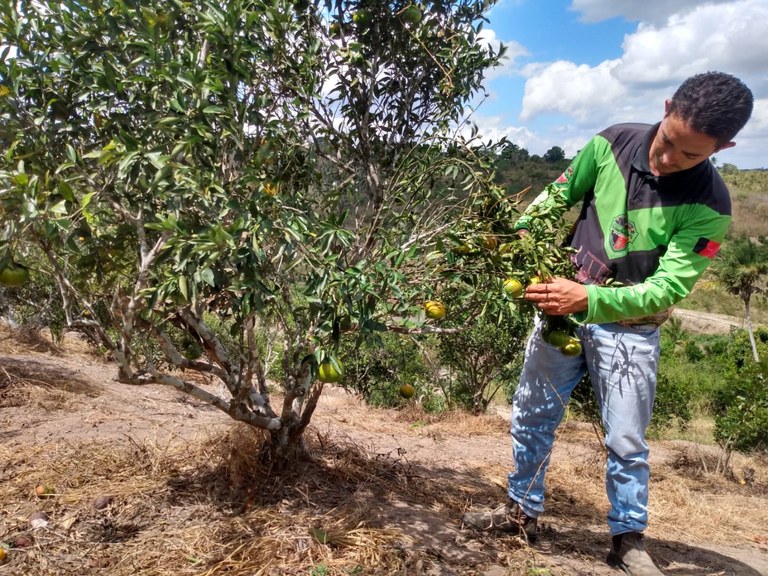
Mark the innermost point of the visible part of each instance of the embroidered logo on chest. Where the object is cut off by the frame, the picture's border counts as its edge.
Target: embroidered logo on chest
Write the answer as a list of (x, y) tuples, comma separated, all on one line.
[(622, 233)]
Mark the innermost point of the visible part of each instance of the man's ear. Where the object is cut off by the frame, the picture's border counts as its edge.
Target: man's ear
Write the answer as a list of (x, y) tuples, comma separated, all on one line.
[(724, 146), (667, 104)]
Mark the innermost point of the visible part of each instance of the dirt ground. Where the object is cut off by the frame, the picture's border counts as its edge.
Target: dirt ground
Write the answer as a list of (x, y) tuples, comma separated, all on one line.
[(382, 495), (707, 322)]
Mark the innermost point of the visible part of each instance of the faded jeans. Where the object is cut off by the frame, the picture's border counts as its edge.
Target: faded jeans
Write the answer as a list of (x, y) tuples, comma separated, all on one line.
[(622, 363)]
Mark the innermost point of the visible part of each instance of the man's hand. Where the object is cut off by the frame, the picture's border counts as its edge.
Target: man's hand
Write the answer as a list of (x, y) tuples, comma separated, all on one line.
[(558, 296)]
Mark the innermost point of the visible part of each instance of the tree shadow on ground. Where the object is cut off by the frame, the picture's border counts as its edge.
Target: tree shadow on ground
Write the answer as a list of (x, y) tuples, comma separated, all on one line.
[(346, 486), (18, 372)]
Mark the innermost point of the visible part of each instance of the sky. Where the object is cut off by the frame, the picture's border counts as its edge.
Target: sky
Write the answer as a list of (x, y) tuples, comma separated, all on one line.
[(574, 67)]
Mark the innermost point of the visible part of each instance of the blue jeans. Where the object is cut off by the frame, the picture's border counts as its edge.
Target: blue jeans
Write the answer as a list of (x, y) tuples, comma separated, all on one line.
[(622, 363)]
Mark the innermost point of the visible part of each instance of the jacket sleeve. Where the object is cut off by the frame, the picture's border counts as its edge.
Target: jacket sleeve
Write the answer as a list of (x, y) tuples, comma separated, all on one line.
[(688, 254), (572, 185)]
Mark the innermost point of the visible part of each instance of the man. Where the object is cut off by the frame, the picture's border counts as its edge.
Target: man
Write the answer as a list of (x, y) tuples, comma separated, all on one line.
[(654, 212)]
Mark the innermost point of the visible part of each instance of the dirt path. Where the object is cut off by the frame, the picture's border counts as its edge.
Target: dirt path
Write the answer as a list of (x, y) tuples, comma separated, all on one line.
[(702, 524), (706, 322)]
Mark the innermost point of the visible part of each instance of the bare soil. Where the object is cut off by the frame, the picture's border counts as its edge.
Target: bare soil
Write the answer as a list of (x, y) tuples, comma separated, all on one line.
[(707, 322), (182, 493)]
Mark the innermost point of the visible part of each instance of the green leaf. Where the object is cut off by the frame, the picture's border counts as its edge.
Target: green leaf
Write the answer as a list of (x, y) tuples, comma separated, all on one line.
[(184, 287), (86, 199), (207, 276)]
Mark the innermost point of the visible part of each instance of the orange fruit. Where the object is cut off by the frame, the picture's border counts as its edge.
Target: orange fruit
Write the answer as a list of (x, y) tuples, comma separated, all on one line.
[(41, 490), (328, 373), (572, 348), (412, 14), (407, 391), (490, 242), (559, 338), (435, 310), (14, 275), (513, 287)]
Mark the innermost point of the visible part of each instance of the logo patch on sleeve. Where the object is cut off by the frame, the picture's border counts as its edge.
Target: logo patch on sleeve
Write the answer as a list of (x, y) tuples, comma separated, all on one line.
[(707, 248), (565, 176)]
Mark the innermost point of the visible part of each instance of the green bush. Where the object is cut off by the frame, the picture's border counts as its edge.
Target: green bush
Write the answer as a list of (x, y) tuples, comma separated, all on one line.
[(742, 420), (674, 399), (693, 352), (483, 359), (377, 366)]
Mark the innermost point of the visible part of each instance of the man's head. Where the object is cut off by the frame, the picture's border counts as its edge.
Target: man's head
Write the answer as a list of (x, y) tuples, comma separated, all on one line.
[(714, 103), (706, 111)]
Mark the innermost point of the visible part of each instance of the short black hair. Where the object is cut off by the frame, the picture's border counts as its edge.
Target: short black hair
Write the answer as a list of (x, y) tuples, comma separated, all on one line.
[(713, 103)]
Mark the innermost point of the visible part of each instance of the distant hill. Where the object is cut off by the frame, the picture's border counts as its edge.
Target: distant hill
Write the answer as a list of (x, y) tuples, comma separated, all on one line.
[(535, 174)]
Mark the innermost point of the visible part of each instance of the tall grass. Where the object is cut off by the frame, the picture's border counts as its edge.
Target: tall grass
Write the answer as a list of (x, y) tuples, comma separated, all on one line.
[(749, 194)]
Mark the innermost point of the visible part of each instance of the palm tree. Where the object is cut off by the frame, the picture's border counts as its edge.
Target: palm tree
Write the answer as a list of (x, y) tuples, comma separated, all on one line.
[(674, 331), (741, 268)]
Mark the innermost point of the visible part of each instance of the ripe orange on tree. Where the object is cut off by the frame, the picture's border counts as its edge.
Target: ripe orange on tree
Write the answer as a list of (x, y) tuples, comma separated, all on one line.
[(434, 309), (513, 287), (328, 373)]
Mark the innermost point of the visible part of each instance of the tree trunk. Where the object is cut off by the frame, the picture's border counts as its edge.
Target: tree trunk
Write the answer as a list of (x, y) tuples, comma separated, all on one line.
[(749, 330)]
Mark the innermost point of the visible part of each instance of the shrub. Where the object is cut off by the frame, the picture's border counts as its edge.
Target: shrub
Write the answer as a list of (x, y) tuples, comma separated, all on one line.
[(742, 421), (378, 365), (483, 359)]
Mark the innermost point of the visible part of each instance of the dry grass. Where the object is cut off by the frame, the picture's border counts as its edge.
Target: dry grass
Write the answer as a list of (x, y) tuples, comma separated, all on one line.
[(690, 493), (208, 504), (209, 507)]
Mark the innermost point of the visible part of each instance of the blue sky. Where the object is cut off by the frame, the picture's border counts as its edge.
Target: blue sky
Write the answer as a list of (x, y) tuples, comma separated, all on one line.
[(577, 66)]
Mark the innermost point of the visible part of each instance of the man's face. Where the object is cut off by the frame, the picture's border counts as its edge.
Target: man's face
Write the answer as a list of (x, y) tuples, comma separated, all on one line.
[(677, 147)]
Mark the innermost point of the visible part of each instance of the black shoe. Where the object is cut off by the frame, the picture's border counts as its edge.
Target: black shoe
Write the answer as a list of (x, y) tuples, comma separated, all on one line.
[(506, 518), (628, 553)]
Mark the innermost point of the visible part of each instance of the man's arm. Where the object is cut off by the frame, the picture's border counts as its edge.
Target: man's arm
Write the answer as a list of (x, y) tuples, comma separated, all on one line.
[(688, 255), (573, 184)]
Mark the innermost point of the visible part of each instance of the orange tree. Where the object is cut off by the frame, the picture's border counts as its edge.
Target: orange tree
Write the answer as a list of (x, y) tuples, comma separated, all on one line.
[(198, 177)]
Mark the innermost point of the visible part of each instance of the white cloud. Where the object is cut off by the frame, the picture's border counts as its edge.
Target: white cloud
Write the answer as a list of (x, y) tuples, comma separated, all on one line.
[(673, 41), (634, 10), (514, 50), (729, 37), (579, 91), (494, 128)]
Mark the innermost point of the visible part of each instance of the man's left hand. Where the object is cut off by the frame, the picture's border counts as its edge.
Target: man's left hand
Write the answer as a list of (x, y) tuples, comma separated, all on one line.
[(558, 296)]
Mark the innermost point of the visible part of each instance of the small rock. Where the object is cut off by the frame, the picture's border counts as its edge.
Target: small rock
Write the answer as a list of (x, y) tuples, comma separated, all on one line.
[(23, 541), (38, 519), (101, 502)]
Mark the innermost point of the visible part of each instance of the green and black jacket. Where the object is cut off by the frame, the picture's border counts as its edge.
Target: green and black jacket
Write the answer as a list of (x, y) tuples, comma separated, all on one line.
[(655, 235)]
